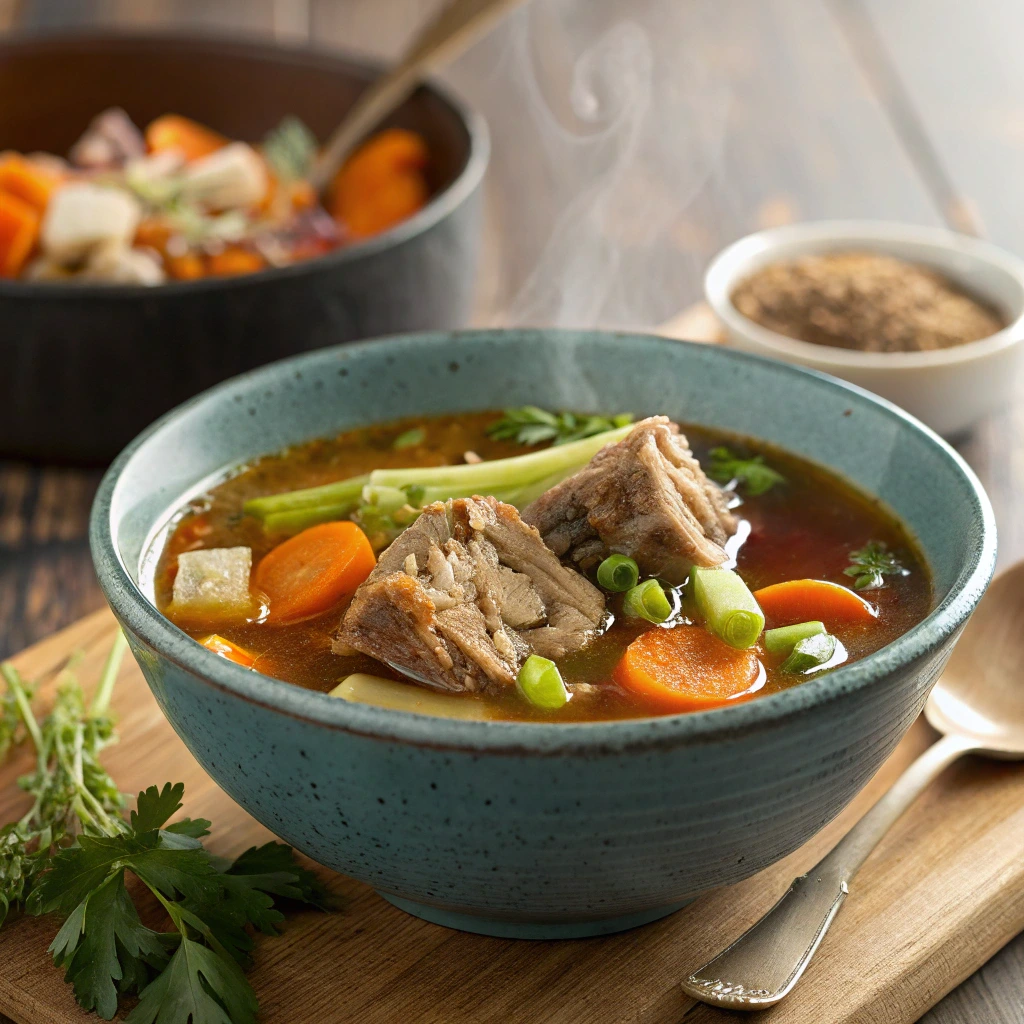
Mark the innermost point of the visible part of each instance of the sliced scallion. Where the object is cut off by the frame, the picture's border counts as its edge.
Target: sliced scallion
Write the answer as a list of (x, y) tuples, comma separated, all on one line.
[(647, 601), (810, 653), (618, 573), (781, 641), (540, 682), (728, 606)]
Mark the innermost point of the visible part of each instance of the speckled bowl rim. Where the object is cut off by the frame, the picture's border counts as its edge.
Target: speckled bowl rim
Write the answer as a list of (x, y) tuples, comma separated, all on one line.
[(142, 618), (436, 210)]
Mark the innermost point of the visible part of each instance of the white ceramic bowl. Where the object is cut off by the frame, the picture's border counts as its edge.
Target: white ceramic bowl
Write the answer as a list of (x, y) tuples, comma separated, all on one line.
[(949, 389)]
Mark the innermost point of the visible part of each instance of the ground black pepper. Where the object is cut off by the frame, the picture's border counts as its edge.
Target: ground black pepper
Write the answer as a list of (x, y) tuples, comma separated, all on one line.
[(865, 301)]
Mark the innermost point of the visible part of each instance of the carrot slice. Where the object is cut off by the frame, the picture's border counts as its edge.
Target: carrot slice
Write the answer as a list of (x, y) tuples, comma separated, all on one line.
[(802, 600), (226, 649), (687, 669), (24, 180), (190, 266), (234, 261), (19, 229), (382, 183), (314, 570), (172, 131)]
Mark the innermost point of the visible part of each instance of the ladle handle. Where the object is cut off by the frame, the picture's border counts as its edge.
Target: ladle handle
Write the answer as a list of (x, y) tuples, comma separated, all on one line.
[(764, 963), (443, 39)]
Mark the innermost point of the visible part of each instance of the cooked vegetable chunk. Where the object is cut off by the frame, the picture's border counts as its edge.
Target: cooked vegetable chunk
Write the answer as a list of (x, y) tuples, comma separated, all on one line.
[(213, 584), (801, 600), (728, 607), (465, 595), (81, 216), (645, 497), (231, 178), (687, 669), (314, 570), (19, 228), (363, 688)]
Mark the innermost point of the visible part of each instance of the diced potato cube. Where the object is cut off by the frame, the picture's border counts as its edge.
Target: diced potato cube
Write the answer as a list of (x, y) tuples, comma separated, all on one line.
[(213, 585), (116, 263), (363, 688), (230, 178), (81, 216)]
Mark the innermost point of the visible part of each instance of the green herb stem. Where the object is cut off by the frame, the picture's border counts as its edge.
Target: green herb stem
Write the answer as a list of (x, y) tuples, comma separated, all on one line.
[(101, 698)]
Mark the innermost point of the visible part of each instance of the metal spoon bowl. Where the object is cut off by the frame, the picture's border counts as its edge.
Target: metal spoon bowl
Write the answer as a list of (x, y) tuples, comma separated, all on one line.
[(978, 706)]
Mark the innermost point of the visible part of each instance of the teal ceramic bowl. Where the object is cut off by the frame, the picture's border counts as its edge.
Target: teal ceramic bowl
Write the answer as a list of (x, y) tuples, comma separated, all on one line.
[(527, 829)]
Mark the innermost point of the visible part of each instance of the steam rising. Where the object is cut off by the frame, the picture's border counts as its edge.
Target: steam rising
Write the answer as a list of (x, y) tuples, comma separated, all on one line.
[(603, 136)]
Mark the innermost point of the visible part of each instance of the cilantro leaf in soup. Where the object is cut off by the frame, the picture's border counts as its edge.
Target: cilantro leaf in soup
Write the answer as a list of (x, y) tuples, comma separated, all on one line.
[(753, 474), (870, 565), (530, 425), (290, 149)]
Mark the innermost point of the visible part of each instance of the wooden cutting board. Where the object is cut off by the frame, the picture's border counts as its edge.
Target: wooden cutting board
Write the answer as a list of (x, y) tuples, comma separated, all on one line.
[(932, 904)]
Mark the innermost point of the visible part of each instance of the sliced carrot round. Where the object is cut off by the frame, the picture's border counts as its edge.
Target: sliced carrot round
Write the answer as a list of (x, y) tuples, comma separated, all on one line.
[(802, 600), (172, 131), (687, 669), (314, 570), (226, 649)]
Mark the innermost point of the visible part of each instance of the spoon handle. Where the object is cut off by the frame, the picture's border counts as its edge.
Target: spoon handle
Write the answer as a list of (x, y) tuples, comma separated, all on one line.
[(764, 963), (458, 24)]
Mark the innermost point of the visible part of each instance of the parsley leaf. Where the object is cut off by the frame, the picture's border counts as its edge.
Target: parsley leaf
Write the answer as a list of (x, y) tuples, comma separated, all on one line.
[(751, 474), (530, 425), (290, 149), (198, 986), (73, 850), (409, 439), (871, 564)]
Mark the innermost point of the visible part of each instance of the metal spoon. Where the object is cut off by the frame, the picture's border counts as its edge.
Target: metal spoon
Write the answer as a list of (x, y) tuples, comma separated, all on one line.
[(978, 705), (458, 25)]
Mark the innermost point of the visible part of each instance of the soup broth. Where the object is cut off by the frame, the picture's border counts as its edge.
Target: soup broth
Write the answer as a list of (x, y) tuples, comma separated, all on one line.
[(806, 526)]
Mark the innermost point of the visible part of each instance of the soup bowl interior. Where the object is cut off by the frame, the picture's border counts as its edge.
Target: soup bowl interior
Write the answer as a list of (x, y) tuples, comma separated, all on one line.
[(524, 828)]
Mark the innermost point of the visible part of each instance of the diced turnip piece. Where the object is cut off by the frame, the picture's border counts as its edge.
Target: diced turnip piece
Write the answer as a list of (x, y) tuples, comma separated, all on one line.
[(213, 584), (232, 177), (81, 216), (116, 263), (155, 166), (387, 693)]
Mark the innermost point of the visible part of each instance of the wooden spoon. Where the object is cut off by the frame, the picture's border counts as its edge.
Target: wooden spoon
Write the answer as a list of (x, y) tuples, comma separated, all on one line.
[(458, 25), (978, 706)]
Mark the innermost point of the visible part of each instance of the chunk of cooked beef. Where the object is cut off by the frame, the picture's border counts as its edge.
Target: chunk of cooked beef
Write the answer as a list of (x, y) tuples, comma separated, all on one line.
[(646, 497), (464, 595)]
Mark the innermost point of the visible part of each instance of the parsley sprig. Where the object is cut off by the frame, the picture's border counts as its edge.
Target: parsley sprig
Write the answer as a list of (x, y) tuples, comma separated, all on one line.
[(753, 475), (73, 852), (290, 149), (530, 425), (870, 565)]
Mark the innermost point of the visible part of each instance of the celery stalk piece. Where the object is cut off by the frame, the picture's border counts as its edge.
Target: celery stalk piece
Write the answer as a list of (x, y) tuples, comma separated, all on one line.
[(340, 493), (500, 474), (299, 519), (540, 682), (728, 606), (810, 653)]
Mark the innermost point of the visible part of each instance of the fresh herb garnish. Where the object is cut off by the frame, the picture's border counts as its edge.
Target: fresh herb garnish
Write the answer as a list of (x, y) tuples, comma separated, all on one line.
[(290, 149), (870, 565), (409, 439), (752, 474), (70, 853), (529, 425)]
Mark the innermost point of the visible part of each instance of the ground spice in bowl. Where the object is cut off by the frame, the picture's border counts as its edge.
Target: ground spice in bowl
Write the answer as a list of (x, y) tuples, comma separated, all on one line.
[(865, 301)]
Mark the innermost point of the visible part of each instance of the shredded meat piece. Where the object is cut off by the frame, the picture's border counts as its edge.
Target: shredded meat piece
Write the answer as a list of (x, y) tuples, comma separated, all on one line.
[(464, 595), (646, 497)]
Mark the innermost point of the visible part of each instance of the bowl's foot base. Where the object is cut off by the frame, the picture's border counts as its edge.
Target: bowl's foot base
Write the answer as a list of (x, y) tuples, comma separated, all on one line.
[(511, 929)]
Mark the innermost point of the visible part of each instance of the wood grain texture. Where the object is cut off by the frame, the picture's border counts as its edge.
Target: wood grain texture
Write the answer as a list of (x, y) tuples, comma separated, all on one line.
[(941, 894)]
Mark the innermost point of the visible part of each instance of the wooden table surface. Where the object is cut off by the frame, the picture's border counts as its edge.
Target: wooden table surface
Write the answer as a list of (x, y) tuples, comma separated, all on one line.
[(790, 109)]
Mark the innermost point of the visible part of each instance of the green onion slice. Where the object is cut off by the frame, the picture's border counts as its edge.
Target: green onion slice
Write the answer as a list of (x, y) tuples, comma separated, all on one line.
[(647, 601), (781, 641), (810, 653), (618, 573), (728, 606), (540, 682)]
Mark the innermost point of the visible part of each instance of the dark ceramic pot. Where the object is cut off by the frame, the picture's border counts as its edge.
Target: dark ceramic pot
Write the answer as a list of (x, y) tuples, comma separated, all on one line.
[(527, 828), (85, 367)]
